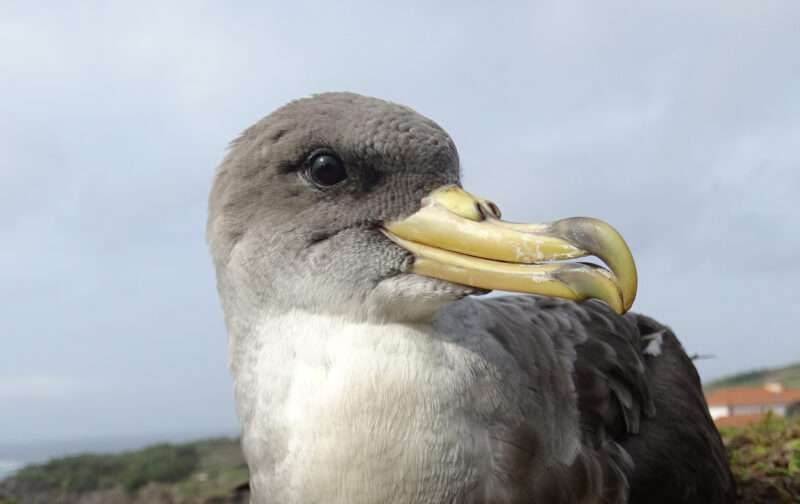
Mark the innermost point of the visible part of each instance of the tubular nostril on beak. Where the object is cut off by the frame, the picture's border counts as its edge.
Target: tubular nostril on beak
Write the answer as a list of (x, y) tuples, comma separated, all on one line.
[(466, 205), (481, 211), (488, 209), (495, 209)]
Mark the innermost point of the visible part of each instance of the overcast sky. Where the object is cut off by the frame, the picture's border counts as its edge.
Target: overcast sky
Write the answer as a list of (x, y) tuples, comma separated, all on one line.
[(680, 125)]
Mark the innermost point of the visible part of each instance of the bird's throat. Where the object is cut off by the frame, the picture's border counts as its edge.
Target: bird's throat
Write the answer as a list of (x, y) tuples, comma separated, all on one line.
[(364, 412)]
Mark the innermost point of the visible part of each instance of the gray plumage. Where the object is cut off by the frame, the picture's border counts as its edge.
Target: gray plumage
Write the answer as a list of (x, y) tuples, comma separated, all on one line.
[(359, 382)]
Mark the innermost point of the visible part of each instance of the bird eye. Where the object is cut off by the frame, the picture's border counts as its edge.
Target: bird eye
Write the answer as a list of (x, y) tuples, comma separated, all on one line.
[(325, 170)]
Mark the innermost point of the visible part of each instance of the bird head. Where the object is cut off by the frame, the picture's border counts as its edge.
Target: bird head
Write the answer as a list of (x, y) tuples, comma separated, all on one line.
[(352, 205)]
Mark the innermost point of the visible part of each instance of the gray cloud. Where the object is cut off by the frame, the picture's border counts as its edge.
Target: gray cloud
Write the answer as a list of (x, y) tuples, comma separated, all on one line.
[(678, 124)]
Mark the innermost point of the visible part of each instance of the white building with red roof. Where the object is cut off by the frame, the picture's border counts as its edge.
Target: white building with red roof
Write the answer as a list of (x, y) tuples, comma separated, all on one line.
[(743, 405)]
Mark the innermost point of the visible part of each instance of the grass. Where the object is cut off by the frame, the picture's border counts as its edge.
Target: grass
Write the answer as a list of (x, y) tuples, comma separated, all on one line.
[(765, 459)]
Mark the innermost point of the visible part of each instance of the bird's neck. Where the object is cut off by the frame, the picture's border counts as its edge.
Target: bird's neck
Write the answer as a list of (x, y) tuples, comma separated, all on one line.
[(354, 408)]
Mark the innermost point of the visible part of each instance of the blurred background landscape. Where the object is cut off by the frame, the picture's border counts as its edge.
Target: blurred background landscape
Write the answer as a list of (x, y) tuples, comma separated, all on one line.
[(678, 123)]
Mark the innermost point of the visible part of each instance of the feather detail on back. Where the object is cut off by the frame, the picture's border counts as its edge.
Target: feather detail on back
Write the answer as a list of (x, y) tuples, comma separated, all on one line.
[(643, 416)]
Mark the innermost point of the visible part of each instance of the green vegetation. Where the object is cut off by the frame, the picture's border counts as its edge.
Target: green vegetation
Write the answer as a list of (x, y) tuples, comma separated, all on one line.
[(164, 463), (221, 469), (765, 458), (80, 473), (202, 471), (788, 376)]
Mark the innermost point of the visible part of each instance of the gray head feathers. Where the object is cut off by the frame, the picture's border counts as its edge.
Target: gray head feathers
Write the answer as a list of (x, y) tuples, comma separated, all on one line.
[(285, 242)]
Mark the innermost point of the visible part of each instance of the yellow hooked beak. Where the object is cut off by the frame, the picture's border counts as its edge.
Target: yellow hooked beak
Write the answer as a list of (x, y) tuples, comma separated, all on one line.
[(460, 238)]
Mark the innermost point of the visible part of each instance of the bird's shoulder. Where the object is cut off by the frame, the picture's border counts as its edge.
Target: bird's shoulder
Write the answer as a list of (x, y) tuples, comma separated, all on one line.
[(606, 353), (640, 402), (586, 383)]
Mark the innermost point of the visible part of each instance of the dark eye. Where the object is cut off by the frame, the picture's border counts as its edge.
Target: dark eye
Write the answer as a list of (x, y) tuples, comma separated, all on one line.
[(325, 169)]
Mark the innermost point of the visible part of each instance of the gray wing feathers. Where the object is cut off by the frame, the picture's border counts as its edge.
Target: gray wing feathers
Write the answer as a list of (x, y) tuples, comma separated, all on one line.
[(679, 454), (584, 375), (645, 430)]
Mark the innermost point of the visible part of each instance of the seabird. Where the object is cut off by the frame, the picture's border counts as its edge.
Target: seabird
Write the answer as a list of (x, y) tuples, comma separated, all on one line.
[(346, 254)]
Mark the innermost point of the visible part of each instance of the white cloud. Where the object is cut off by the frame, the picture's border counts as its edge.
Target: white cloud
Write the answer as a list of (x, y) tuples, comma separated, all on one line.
[(678, 123)]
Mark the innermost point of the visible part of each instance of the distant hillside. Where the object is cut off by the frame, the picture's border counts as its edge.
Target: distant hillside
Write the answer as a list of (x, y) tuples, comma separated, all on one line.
[(202, 472), (789, 376)]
